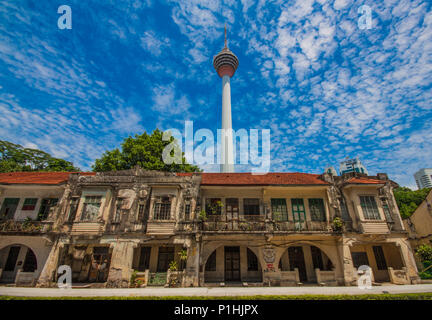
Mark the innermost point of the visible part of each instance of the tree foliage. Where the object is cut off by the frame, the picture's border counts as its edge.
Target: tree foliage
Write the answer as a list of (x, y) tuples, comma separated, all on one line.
[(144, 150), (14, 157), (424, 252), (408, 200)]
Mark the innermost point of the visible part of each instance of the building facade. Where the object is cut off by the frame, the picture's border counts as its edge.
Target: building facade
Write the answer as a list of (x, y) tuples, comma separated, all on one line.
[(423, 178), (419, 225), (136, 227), (26, 237), (352, 165)]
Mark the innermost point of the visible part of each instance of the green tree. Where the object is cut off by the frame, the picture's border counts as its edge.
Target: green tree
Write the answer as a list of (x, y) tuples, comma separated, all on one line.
[(14, 157), (408, 200), (144, 150)]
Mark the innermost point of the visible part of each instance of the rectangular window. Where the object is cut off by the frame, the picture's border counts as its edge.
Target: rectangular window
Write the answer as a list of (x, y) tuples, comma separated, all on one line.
[(73, 209), (251, 207), (91, 208), (8, 208), (387, 213), (187, 209), (279, 209), (344, 210), (214, 206), (211, 262), (317, 212), (29, 204), (162, 208), (117, 215), (166, 255), (141, 208), (299, 213), (380, 258), (45, 208), (359, 259), (252, 260), (369, 208)]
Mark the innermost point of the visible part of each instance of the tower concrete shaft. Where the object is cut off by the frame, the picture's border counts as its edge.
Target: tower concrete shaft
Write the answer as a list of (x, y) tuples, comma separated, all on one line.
[(227, 147)]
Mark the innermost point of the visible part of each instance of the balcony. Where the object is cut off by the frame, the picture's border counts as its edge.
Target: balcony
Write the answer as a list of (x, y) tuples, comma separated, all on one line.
[(26, 226), (240, 223), (255, 223), (291, 226)]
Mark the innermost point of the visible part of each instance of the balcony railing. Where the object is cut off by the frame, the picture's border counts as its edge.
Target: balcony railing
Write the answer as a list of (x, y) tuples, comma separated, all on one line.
[(24, 226), (300, 226), (250, 223), (239, 223)]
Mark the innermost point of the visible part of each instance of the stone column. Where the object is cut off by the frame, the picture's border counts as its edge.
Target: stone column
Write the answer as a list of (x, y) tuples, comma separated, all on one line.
[(50, 268), (121, 264), (347, 264), (407, 256)]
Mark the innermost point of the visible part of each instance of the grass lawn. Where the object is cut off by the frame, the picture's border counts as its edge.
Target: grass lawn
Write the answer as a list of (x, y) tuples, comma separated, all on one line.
[(405, 296)]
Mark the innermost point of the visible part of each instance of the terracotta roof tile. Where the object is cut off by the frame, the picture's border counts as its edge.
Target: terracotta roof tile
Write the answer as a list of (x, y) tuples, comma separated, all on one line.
[(271, 178), (364, 180), (37, 177)]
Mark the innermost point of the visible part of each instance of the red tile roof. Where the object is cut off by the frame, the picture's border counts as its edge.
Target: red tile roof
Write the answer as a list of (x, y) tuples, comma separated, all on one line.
[(364, 180), (271, 178), (37, 177)]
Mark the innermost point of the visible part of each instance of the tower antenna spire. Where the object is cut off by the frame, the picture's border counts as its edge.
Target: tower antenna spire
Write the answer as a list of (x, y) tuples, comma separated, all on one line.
[(225, 36)]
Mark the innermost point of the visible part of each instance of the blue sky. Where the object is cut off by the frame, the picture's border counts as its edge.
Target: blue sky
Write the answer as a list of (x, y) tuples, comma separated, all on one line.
[(325, 88)]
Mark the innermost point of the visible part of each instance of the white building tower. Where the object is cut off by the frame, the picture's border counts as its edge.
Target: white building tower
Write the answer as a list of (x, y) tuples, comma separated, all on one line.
[(226, 63)]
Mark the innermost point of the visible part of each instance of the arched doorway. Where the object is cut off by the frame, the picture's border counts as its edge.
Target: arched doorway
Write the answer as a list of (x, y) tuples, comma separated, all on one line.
[(306, 258), (232, 264), (17, 259)]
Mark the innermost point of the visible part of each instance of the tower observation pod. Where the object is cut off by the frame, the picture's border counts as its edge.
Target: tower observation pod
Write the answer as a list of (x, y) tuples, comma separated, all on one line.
[(225, 64)]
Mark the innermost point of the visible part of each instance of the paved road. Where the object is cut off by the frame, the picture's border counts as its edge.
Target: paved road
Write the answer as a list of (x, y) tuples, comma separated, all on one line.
[(218, 292)]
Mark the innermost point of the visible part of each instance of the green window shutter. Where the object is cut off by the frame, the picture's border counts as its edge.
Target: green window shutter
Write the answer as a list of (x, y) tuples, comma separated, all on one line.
[(298, 209)]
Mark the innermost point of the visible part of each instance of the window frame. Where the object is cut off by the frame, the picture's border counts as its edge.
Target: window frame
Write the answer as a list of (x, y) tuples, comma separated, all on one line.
[(45, 207), (247, 208), (73, 208), (312, 207), (277, 206), (298, 211), (162, 208), (29, 206), (187, 209), (84, 214), (368, 206)]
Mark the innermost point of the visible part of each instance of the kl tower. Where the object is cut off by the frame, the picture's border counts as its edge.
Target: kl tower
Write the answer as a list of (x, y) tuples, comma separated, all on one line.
[(225, 64)]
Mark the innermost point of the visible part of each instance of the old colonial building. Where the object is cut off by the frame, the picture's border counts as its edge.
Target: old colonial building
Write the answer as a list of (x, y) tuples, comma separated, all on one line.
[(27, 200), (140, 227), (419, 225)]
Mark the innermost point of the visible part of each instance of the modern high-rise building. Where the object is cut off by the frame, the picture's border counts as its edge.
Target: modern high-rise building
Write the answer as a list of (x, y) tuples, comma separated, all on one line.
[(352, 165), (423, 178), (226, 63)]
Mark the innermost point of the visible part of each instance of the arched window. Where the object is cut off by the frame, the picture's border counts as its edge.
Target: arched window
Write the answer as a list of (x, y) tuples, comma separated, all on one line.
[(211, 262), (252, 260), (30, 262)]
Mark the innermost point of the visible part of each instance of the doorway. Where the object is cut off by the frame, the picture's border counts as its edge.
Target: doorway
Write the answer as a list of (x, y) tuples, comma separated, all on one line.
[(232, 263), (296, 260)]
